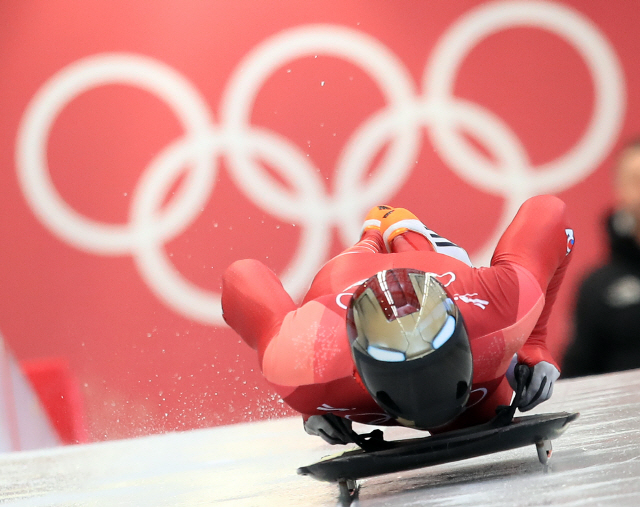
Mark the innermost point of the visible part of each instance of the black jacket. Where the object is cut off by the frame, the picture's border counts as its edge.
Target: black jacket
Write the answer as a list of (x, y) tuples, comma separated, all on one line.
[(607, 315)]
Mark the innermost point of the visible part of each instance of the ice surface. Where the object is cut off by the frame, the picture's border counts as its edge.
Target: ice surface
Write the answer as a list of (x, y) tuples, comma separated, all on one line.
[(596, 462)]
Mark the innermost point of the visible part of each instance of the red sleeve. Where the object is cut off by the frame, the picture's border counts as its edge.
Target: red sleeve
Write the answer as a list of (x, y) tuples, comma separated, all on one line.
[(540, 240), (254, 302)]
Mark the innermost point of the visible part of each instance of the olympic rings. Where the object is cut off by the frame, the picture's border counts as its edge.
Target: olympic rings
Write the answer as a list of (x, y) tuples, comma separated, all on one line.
[(305, 201)]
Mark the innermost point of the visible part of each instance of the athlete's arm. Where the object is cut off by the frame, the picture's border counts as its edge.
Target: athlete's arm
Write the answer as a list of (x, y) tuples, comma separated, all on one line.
[(258, 308), (254, 302), (539, 239)]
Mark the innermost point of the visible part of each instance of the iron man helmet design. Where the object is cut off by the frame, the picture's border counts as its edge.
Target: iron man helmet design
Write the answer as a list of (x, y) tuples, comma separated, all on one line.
[(410, 347)]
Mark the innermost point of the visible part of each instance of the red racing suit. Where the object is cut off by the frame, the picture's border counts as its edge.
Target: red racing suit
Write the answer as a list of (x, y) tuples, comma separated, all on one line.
[(304, 351)]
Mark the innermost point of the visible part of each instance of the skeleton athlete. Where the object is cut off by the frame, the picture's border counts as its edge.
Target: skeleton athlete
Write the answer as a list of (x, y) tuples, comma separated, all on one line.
[(401, 329)]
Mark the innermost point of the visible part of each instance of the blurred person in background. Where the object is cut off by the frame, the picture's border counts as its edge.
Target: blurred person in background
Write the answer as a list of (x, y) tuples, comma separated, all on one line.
[(607, 312)]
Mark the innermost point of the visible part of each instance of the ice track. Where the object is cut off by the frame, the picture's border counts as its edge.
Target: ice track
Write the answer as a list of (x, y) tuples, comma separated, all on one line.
[(596, 462)]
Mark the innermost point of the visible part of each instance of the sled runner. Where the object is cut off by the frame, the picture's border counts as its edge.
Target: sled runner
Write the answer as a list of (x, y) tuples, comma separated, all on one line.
[(377, 456)]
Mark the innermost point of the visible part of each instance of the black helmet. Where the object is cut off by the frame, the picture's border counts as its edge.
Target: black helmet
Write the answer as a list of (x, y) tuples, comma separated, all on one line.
[(410, 347)]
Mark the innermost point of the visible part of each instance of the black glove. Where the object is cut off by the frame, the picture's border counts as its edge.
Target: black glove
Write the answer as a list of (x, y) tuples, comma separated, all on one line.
[(331, 428)]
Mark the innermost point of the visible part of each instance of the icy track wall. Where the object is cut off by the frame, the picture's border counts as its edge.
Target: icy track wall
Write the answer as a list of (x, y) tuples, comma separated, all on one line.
[(144, 150)]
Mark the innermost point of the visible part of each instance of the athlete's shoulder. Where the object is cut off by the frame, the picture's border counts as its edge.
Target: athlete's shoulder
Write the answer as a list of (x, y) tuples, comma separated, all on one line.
[(253, 300)]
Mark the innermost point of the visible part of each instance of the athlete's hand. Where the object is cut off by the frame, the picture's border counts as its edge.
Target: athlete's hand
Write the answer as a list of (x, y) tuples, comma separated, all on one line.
[(331, 428), (540, 387)]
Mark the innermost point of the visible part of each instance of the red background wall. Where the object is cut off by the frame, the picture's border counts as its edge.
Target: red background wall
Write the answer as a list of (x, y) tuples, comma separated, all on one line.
[(126, 290)]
